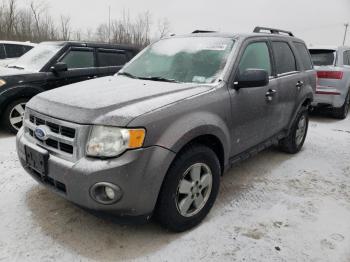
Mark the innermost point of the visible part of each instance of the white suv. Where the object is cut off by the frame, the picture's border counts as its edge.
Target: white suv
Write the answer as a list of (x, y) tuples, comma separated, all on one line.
[(333, 71), (9, 51)]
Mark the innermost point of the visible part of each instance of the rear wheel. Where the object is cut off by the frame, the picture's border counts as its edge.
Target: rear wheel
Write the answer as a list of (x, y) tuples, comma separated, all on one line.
[(342, 112), (293, 143), (189, 189), (13, 116)]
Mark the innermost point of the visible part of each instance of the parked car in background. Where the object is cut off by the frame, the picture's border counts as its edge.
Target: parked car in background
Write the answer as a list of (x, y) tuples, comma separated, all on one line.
[(333, 71), (156, 138), (54, 64), (10, 51)]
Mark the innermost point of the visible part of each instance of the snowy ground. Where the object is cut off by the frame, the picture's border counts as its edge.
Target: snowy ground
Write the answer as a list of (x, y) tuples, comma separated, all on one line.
[(274, 207)]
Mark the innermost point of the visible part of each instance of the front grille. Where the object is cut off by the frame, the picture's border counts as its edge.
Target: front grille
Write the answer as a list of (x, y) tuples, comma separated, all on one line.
[(61, 137)]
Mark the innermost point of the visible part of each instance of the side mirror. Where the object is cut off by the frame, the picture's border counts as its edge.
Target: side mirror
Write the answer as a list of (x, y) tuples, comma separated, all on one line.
[(59, 67), (252, 78)]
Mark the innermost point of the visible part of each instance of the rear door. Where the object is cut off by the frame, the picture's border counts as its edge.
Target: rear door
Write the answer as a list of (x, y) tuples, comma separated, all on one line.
[(290, 81), (110, 61), (253, 113)]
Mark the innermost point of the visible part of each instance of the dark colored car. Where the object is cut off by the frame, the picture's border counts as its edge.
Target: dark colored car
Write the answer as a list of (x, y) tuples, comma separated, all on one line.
[(54, 64), (156, 138)]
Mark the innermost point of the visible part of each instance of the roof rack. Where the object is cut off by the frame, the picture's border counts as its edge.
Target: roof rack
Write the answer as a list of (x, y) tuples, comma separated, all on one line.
[(259, 29), (202, 32)]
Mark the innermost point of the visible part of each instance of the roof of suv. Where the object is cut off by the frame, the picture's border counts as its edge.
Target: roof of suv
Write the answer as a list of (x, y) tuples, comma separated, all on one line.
[(17, 43), (92, 44), (241, 35)]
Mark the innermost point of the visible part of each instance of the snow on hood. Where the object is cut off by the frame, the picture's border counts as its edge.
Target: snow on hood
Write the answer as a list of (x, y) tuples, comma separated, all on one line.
[(111, 100), (5, 71)]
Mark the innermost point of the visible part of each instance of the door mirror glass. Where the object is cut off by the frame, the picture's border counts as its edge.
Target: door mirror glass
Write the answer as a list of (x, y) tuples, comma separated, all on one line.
[(59, 67), (252, 78)]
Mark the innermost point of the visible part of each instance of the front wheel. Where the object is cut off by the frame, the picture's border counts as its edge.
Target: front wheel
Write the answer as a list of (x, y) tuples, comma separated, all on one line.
[(189, 189), (13, 116), (293, 143)]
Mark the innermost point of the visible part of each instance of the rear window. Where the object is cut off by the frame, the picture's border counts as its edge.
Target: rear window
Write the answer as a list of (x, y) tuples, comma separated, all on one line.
[(304, 55), (111, 58), (285, 60), (323, 57)]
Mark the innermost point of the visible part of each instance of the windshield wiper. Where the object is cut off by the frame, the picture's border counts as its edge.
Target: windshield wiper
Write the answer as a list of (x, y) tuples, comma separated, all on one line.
[(16, 67), (159, 78), (127, 74)]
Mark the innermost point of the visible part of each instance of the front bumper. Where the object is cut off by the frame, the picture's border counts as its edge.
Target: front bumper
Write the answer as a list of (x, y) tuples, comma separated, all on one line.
[(139, 173)]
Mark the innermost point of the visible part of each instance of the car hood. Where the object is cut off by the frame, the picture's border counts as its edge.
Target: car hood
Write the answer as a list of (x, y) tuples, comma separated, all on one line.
[(111, 100), (5, 71)]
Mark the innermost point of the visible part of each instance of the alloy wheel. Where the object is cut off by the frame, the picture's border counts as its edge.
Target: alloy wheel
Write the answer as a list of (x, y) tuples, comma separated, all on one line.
[(194, 190), (17, 115), (301, 130)]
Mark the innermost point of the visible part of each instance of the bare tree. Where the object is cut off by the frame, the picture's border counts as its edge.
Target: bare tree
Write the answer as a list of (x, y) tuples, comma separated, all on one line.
[(65, 28), (163, 27)]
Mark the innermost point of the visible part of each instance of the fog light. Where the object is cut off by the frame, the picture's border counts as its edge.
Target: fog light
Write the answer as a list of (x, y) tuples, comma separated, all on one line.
[(106, 193), (110, 193)]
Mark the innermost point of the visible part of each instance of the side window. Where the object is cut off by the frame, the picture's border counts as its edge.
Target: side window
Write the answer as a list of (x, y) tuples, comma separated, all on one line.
[(111, 58), (2, 52), (285, 60), (27, 48), (14, 51), (256, 56), (347, 58), (79, 59), (304, 55)]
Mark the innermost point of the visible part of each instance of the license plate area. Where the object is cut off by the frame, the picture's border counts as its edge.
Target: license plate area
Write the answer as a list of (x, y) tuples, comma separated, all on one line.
[(37, 160)]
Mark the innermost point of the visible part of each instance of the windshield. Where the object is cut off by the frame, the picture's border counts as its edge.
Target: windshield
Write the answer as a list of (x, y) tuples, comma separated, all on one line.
[(188, 60), (37, 58), (322, 57)]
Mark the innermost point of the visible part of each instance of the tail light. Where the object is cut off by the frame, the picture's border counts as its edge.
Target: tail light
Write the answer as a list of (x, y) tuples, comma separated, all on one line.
[(330, 74)]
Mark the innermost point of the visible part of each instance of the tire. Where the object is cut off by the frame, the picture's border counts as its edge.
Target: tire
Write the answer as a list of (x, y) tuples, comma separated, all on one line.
[(14, 112), (342, 112), (179, 189), (293, 143)]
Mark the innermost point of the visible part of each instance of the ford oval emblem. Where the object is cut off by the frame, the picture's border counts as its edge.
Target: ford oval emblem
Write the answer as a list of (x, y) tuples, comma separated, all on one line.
[(41, 133)]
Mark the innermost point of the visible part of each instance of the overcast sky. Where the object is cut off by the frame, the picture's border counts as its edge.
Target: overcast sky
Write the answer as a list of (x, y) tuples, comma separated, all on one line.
[(315, 21)]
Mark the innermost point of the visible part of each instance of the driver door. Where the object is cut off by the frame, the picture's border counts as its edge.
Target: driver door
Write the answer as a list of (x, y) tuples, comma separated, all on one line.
[(254, 109), (81, 64)]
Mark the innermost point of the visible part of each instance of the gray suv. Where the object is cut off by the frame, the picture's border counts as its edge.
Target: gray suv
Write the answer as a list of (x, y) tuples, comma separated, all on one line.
[(156, 138)]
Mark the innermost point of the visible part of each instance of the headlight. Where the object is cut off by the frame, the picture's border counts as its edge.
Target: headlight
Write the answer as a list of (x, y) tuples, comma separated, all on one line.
[(112, 141), (2, 82)]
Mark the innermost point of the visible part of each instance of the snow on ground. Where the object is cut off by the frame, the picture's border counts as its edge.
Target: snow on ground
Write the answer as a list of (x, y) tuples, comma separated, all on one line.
[(273, 207)]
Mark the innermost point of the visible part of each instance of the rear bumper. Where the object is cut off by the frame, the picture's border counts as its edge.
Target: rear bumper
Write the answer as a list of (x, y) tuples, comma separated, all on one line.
[(328, 96), (139, 174)]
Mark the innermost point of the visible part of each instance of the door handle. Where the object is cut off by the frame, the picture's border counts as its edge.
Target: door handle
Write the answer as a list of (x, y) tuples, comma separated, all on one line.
[(300, 84), (271, 93)]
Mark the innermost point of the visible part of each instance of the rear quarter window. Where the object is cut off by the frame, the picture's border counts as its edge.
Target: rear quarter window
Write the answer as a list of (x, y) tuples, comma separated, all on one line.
[(285, 60), (323, 57), (14, 51), (346, 58), (304, 55), (2, 52)]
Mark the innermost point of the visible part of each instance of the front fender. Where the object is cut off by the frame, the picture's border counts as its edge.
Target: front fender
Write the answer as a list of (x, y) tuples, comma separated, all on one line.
[(9, 94), (180, 132)]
